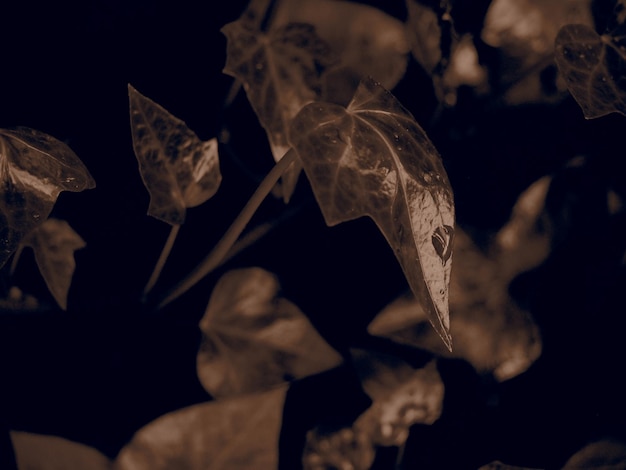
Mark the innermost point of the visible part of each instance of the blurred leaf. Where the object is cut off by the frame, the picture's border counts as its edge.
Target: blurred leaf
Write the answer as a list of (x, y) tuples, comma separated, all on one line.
[(425, 34), (40, 452), (604, 454), (402, 396), (280, 72), (497, 465), (367, 41), (54, 243), (490, 331), (594, 68), (178, 169), (524, 31), (373, 159), (254, 339), (34, 169), (231, 434)]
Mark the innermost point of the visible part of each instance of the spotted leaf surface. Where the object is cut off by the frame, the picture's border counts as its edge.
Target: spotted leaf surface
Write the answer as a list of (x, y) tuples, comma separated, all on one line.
[(54, 243), (594, 67), (254, 339), (178, 169), (280, 72), (34, 169), (373, 159)]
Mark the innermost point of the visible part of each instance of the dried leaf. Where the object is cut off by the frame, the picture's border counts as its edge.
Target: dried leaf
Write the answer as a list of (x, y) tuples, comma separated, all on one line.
[(178, 169), (280, 72), (373, 159), (34, 169), (231, 434), (490, 331), (41, 452), (54, 243), (594, 67), (254, 339)]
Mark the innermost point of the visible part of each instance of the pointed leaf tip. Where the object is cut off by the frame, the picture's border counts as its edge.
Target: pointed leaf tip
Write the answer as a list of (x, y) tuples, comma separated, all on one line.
[(178, 169), (373, 159)]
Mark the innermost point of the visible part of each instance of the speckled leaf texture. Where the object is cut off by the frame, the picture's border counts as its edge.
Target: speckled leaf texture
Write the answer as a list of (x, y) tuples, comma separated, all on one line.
[(594, 67), (280, 72), (373, 159), (34, 169), (178, 169)]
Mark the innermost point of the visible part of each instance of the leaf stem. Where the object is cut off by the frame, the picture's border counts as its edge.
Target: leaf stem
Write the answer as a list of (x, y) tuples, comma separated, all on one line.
[(221, 249), (165, 252)]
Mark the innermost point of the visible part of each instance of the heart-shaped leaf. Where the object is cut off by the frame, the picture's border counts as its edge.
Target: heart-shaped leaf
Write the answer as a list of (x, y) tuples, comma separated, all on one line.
[(255, 339), (280, 72), (54, 243), (34, 169), (178, 169), (231, 434), (373, 159), (594, 68), (41, 452)]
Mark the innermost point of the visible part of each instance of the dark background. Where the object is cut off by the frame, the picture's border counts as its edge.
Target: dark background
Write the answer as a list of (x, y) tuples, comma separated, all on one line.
[(109, 365)]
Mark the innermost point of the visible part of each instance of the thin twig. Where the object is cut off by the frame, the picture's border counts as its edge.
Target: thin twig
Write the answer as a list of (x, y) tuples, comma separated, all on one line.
[(220, 251)]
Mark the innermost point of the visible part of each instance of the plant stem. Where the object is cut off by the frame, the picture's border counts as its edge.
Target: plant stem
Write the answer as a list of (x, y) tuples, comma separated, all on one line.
[(220, 251), (165, 252)]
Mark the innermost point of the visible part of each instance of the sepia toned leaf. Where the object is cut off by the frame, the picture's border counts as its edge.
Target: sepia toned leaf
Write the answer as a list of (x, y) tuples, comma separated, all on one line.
[(402, 396), (367, 41), (490, 330), (43, 452), (603, 454), (178, 169), (594, 68), (424, 33), (54, 243), (373, 159), (34, 169), (280, 72), (232, 434), (254, 339)]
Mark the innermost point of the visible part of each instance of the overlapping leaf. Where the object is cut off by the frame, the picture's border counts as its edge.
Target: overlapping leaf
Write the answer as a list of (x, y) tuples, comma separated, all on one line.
[(231, 434), (178, 169), (594, 68), (280, 72), (34, 169), (373, 159), (54, 243), (254, 338)]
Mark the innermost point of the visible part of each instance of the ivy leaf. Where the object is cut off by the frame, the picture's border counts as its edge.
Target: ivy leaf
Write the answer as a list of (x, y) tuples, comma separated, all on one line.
[(280, 72), (424, 34), (34, 169), (178, 169), (254, 339), (41, 452), (54, 243), (373, 159), (402, 396), (594, 68), (231, 434)]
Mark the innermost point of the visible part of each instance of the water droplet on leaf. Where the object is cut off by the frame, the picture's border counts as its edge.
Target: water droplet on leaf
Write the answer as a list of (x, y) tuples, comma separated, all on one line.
[(442, 241)]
